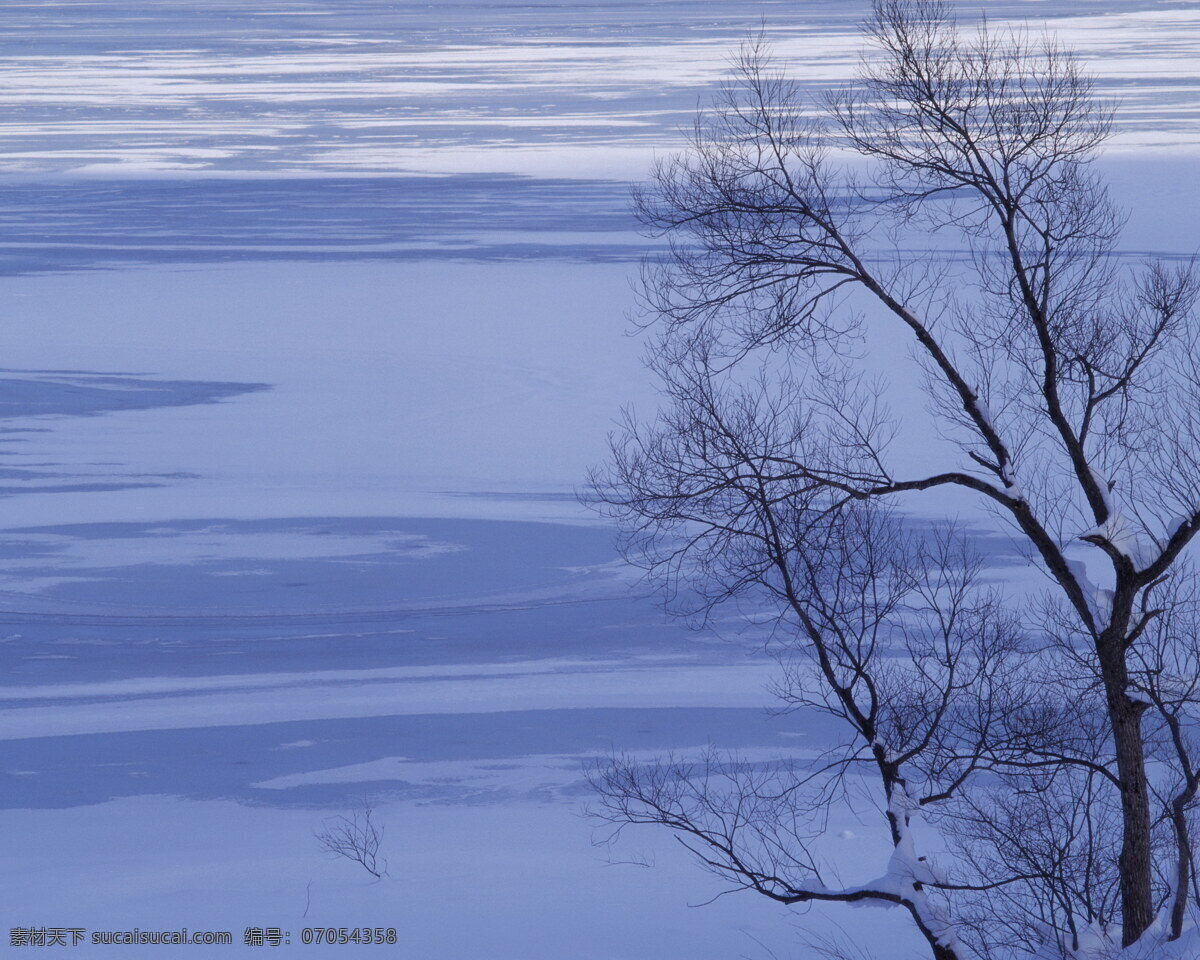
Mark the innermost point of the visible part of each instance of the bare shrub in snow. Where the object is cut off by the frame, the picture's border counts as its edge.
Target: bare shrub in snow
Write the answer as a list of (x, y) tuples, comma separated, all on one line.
[(357, 838), (1050, 740)]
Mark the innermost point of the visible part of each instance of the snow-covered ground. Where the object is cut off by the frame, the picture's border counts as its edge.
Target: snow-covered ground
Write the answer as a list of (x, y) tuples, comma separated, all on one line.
[(313, 322)]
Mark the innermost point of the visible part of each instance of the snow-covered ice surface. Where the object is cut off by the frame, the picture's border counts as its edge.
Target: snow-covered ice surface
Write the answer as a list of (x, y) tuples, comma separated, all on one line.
[(313, 323)]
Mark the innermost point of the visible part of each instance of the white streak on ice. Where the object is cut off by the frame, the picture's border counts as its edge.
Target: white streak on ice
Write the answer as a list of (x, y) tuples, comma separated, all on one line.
[(274, 701)]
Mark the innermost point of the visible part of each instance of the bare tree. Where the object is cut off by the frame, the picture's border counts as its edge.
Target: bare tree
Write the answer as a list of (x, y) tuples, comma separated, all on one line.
[(356, 838), (1051, 741)]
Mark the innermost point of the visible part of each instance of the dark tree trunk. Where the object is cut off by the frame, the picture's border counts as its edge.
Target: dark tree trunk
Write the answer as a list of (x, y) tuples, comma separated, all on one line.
[(1182, 865), (1125, 716), (1137, 905)]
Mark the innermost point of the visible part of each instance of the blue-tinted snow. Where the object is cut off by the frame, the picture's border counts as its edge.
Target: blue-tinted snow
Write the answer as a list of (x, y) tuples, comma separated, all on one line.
[(26, 394), (237, 597), (239, 763), (31, 401), (313, 321), (321, 88), (76, 224)]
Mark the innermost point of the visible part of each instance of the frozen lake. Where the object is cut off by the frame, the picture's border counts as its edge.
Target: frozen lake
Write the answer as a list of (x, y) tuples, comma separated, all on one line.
[(314, 321)]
